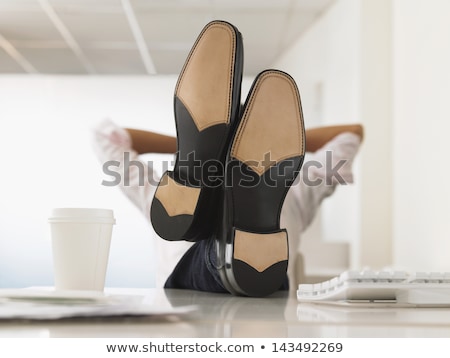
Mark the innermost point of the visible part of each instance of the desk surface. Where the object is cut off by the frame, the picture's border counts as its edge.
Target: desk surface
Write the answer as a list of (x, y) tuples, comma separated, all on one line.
[(226, 316)]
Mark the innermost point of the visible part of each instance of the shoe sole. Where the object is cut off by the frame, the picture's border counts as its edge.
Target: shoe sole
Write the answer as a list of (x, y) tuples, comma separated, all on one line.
[(265, 157), (206, 104)]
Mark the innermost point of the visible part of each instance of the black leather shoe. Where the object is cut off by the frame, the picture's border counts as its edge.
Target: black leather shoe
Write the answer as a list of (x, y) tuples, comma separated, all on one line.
[(264, 158), (206, 104)]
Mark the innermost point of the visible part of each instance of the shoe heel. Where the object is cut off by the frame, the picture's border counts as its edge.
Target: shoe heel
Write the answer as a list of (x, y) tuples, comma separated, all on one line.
[(174, 208), (258, 261)]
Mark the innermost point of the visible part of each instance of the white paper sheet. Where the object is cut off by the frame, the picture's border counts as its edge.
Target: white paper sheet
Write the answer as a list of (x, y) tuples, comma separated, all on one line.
[(48, 304)]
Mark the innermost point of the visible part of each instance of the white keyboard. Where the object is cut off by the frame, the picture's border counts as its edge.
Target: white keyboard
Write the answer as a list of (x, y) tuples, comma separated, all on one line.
[(431, 288)]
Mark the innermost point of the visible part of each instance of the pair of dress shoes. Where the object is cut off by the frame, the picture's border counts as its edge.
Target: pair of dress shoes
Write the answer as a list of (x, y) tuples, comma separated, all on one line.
[(234, 163)]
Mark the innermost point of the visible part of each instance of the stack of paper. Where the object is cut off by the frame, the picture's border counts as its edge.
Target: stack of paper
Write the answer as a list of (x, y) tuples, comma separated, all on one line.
[(48, 304)]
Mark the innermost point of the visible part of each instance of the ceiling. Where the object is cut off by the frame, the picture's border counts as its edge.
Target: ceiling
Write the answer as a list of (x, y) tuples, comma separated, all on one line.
[(139, 37)]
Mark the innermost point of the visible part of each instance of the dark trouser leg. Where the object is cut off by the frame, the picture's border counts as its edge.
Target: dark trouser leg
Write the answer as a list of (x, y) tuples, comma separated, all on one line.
[(197, 270)]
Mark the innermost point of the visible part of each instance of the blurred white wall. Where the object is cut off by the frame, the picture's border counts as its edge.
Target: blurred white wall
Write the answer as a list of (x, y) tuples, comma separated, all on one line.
[(384, 63), (421, 145), (48, 161)]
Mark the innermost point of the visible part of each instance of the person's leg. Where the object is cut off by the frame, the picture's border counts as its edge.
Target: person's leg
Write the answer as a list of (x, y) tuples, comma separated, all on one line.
[(198, 270)]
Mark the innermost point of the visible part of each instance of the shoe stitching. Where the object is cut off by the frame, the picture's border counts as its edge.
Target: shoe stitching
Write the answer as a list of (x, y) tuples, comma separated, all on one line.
[(249, 108), (232, 60)]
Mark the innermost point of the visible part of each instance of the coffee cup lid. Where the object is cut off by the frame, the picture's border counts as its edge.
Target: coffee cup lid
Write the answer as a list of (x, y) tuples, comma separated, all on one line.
[(82, 215)]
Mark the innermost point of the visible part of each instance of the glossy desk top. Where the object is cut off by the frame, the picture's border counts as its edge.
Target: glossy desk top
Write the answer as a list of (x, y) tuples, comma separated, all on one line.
[(224, 316)]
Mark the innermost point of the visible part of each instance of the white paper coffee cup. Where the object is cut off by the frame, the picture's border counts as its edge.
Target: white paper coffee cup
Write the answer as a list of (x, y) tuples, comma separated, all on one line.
[(81, 239)]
